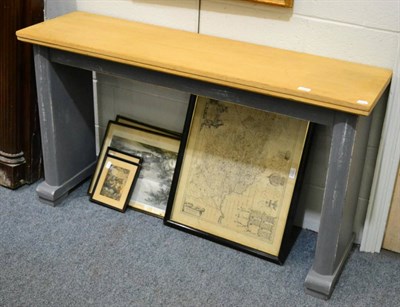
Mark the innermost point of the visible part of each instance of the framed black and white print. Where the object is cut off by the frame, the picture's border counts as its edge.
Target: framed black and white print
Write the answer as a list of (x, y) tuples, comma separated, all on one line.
[(158, 155)]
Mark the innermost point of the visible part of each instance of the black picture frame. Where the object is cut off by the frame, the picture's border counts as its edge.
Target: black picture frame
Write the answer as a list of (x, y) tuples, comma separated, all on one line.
[(116, 180), (138, 124), (115, 152), (174, 216), (159, 152)]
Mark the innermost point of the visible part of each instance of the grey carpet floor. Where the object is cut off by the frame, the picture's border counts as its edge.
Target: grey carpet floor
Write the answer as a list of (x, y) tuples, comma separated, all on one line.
[(82, 254)]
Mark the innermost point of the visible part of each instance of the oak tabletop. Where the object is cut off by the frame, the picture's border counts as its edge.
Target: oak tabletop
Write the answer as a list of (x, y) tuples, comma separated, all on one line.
[(325, 82)]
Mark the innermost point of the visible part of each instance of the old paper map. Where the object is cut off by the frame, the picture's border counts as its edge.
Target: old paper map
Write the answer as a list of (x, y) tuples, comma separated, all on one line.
[(238, 173)]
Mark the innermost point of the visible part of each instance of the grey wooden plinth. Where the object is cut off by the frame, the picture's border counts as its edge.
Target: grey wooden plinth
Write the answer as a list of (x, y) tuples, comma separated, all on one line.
[(54, 195), (322, 286)]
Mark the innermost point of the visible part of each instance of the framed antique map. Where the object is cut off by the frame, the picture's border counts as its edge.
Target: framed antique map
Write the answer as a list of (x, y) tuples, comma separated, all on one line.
[(236, 174)]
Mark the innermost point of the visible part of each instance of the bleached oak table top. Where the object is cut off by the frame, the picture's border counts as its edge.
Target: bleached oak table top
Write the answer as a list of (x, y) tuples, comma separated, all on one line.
[(310, 79)]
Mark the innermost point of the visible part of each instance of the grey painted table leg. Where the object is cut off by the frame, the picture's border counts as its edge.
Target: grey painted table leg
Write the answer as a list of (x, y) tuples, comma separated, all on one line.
[(335, 236), (65, 99)]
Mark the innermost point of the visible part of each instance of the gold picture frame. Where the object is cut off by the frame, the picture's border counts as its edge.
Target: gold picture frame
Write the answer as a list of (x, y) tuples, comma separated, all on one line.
[(115, 183), (284, 3), (236, 176)]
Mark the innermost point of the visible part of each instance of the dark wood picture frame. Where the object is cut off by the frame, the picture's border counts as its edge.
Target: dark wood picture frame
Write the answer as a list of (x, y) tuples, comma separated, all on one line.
[(180, 206)]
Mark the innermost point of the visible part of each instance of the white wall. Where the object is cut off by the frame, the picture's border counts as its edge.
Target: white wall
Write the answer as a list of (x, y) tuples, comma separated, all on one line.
[(180, 14), (365, 31), (340, 29)]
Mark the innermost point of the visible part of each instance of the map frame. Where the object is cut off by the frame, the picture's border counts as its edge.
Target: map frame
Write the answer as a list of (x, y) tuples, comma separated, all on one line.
[(185, 210)]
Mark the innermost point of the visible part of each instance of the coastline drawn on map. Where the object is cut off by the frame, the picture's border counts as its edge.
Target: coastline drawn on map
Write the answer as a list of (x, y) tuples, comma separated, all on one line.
[(234, 180)]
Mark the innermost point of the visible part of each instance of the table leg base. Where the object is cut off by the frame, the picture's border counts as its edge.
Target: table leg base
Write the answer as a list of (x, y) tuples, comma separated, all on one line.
[(54, 195), (321, 286), (54, 203)]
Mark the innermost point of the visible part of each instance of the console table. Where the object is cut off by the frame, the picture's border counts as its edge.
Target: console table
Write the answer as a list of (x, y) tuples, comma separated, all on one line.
[(338, 94)]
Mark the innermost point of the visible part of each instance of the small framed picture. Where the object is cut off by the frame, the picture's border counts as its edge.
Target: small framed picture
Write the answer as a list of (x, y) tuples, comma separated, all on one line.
[(115, 183), (158, 153)]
